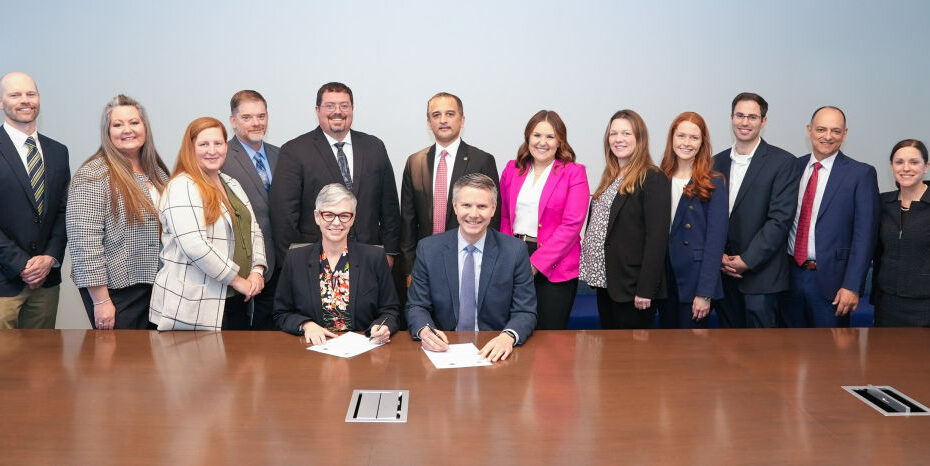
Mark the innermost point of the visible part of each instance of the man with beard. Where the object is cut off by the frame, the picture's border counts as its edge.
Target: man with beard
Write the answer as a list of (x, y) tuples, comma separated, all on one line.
[(34, 173), (251, 161), (334, 153)]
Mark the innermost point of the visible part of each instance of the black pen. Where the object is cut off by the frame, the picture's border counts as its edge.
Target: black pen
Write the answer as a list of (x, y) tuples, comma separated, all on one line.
[(382, 323)]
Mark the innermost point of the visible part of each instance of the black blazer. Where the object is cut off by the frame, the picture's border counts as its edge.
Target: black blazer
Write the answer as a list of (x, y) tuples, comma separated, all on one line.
[(23, 232), (416, 194), (306, 164), (637, 240), (762, 217), (372, 296)]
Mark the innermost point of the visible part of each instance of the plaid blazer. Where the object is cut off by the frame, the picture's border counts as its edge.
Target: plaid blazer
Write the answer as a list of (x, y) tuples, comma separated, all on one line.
[(190, 289), (104, 248)]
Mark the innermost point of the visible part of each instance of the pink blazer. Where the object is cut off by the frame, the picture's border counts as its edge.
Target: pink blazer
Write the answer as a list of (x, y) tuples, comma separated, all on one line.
[(562, 210)]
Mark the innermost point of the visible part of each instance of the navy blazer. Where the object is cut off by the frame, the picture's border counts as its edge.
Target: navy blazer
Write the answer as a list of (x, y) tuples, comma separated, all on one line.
[(372, 296), (25, 233), (847, 225), (695, 243), (506, 294), (762, 216), (306, 164)]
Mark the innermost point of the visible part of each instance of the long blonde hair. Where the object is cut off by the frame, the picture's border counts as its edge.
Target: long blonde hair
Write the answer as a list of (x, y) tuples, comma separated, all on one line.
[(640, 161), (122, 181)]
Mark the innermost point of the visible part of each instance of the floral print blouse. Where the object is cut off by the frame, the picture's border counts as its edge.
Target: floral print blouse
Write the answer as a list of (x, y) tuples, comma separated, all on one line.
[(334, 292)]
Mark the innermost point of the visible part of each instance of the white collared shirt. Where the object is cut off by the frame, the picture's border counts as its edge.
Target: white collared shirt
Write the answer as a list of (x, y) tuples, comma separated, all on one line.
[(451, 150), (822, 178), (19, 142), (526, 212), (347, 148), (739, 165)]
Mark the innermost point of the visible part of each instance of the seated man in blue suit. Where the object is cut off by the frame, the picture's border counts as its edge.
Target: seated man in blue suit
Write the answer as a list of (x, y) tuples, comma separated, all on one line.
[(472, 278), (834, 230)]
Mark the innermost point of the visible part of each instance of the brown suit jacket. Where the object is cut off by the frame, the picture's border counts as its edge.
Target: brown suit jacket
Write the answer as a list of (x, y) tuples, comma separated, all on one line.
[(416, 194)]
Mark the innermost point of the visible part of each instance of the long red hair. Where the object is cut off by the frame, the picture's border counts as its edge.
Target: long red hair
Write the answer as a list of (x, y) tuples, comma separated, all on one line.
[(187, 163), (701, 173)]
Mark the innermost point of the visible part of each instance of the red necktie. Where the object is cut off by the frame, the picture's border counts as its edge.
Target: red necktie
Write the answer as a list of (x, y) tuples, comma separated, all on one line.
[(440, 195), (804, 220)]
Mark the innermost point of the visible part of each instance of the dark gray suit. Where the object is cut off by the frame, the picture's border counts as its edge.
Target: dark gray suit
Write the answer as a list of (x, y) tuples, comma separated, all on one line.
[(239, 166), (416, 194), (758, 232)]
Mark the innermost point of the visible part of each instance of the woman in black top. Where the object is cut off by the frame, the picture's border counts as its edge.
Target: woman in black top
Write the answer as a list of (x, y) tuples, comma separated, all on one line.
[(901, 275)]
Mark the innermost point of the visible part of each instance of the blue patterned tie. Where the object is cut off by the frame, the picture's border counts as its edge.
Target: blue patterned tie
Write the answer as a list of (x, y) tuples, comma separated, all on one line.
[(343, 164), (262, 171), (467, 302), (36, 170)]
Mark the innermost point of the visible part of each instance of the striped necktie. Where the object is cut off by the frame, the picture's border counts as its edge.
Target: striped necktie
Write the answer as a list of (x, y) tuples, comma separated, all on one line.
[(36, 170)]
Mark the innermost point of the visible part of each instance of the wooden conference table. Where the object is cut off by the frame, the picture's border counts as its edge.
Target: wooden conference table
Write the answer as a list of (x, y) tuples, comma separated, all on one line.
[(566, 397)]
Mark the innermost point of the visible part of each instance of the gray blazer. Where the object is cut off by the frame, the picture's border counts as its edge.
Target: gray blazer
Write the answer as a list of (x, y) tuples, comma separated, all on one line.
[(239, 166)]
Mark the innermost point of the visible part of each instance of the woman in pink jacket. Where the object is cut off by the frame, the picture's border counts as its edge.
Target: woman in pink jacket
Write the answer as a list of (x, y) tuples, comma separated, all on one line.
[(544, 201)]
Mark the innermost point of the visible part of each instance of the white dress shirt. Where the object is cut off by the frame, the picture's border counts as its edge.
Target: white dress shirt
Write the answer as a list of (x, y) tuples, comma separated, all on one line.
[(739, 164), (19, 142), (822, 178), (526, 212), (346, 148)]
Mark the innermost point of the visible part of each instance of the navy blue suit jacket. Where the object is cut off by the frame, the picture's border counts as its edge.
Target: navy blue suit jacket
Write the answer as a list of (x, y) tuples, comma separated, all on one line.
[(25, 233), (847, 225), (762, 216), (506, 294), (695, 244)]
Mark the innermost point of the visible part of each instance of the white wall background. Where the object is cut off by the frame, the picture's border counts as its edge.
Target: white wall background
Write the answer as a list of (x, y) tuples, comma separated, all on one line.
[(506, 60)]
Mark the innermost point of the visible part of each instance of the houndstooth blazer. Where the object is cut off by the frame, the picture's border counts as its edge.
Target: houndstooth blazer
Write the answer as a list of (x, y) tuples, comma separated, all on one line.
[(190, 289), (105, 249)]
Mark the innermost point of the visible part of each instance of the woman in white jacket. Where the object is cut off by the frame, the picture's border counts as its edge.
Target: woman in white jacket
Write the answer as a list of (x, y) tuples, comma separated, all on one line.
[(212, 248)]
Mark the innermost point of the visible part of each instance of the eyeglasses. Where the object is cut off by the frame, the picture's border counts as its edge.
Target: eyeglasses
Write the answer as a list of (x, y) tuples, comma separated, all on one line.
[(751, 117), (329, 107), (344, 217)]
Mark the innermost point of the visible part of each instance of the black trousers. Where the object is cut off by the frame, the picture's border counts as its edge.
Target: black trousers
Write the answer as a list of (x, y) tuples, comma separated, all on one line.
[(554, 300), (236, 313), (132, 306), (264, 304), (614, 315)]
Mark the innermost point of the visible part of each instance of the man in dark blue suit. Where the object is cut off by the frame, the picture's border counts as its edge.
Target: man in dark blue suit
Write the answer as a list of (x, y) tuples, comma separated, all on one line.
[(762, 183), (834, 231), (472, 278), (34, 174)]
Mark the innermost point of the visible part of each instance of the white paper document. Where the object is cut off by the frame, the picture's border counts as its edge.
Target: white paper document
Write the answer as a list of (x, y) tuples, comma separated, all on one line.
[(460, 355), (347, 345)]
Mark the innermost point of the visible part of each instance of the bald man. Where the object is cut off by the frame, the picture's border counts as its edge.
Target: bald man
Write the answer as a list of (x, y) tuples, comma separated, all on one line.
[(34, 174)]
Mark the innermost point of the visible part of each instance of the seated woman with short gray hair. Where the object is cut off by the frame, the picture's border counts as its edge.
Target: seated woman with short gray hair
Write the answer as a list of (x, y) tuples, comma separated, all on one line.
[(336, 285)]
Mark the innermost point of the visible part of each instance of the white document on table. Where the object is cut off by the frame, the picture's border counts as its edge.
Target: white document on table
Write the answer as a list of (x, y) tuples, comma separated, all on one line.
[(347, 345), (460, 355)]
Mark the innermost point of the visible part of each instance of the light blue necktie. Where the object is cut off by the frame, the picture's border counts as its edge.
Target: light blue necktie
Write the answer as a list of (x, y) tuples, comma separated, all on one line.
[(467, 302), (262, 171)]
